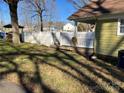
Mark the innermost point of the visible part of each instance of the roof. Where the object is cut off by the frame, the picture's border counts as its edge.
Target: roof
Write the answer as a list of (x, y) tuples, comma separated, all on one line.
[(98, 8), (10, 26)]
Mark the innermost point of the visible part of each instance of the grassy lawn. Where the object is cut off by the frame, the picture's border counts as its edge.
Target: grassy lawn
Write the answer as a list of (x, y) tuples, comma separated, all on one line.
[(40, 69)]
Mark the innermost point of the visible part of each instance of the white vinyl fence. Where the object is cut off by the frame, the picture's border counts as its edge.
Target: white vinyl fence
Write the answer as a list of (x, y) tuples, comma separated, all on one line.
[(84, 39)]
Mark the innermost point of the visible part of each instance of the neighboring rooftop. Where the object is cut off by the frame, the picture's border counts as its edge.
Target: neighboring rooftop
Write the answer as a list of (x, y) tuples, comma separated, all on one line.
[(98, 8), (10, 26)]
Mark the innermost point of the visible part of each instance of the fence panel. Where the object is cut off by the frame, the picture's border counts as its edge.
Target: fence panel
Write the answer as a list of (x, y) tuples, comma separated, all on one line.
[(66, 38), (43, 38), (84, 39)]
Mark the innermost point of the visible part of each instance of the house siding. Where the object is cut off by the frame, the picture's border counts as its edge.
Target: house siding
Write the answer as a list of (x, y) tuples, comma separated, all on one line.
[(107, 42), (10, 30)]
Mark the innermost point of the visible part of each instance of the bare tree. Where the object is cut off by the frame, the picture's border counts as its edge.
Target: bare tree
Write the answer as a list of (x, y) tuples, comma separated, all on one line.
[(1, 24), (13, 5), (38, 7), (79, 3)]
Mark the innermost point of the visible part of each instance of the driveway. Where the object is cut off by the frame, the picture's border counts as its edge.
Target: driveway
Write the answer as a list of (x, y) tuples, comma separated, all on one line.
[(9, 87)]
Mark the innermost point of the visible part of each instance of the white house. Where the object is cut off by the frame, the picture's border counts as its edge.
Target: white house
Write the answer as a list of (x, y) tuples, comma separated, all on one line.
[(68, 27)]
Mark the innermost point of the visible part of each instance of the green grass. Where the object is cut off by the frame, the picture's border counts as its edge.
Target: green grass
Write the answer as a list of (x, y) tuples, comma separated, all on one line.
[(41, 69)]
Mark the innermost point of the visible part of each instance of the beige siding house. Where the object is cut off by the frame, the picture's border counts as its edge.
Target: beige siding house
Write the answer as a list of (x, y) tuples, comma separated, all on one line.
[(108, 17), (8, 28)]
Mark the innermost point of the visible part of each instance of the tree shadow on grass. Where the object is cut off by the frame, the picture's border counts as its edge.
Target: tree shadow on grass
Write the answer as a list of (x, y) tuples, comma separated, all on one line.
[(87, 81), (26, 80), (16, 70), (62, 57), (91, 69), (114, 71)]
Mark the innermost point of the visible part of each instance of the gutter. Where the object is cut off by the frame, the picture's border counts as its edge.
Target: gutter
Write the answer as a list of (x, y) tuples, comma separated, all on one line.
[(101, 17)]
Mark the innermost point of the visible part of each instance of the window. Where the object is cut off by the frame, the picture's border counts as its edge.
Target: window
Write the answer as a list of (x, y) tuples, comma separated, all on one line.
[(120, 27)]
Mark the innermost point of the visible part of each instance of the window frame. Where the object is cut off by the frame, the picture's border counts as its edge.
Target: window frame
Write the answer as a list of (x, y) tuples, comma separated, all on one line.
[(119, 27)]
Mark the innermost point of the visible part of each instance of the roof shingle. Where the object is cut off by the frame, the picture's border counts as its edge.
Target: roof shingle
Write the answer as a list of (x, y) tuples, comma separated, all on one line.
[(99, 7)]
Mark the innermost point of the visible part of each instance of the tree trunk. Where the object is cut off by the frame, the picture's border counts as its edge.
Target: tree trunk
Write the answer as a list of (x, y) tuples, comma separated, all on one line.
[(14, 20), (41, 20)]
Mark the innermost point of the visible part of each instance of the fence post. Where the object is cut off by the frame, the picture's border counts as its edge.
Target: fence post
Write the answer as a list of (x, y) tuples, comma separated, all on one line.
[(75, 32)]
